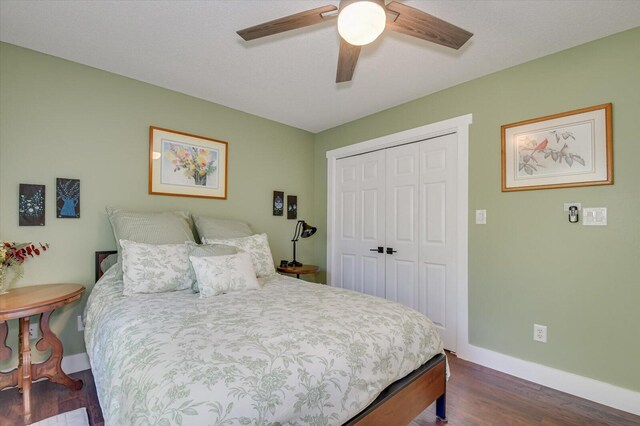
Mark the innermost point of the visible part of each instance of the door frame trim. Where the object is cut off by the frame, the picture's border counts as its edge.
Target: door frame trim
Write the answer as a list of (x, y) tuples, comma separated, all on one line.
[(460, 126)]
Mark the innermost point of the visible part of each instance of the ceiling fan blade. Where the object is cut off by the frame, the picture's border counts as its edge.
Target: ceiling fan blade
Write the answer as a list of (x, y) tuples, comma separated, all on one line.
[(291, 22), (419, 24), (347, 59)]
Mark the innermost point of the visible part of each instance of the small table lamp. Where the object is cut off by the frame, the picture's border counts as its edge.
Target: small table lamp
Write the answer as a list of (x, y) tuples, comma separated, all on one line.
[(302, 231)]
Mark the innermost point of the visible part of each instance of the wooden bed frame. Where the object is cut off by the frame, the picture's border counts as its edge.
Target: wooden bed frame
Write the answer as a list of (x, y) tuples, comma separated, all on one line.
[(400, 402), (405, 399), (100, 256)]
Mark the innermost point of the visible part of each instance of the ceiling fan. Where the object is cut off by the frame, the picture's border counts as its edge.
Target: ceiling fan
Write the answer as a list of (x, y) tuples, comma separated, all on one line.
[(360, 22)]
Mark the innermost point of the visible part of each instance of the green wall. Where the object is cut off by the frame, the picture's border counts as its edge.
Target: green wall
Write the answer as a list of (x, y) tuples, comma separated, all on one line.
[(62, 119), (529, 264)]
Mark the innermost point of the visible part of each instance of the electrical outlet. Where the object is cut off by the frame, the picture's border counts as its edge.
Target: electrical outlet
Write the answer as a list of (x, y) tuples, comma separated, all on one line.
[(80, 323), (540, 333), (34, 331)]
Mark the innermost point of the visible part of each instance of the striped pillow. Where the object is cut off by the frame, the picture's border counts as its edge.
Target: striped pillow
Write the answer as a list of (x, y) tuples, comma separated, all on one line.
[(215, 229)]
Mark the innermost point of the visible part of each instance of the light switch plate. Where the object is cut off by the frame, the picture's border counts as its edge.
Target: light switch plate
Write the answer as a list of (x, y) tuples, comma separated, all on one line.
[(567, 205), (481, 217), (594, 216)]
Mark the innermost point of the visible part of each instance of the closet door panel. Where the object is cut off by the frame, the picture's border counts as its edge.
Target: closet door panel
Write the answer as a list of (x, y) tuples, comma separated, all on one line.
[(438, 216), (372, 222), (348, 277), (403, 283), (360, 202), (347, 229), (432, 292), (402, 214)]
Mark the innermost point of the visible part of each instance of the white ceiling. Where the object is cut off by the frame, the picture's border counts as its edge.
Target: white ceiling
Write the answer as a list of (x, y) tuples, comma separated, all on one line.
[(191, 47)]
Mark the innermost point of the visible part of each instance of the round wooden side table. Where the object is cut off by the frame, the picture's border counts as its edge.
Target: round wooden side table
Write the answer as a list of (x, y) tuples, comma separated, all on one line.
[(299, 270), (20, 303)]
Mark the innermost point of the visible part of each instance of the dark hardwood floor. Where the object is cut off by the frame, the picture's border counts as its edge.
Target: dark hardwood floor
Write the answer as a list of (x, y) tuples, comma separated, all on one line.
[(49, 399), (475, 396)]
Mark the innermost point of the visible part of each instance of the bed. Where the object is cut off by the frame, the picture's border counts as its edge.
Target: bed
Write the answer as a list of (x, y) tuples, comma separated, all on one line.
[(192, 325), (291, 353)]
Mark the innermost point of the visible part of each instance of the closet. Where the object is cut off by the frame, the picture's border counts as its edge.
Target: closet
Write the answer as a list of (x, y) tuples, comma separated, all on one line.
[(395, 214)]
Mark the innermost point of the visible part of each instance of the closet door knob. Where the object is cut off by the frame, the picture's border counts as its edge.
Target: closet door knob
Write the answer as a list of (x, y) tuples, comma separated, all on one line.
[(390, 250), (379, 249)]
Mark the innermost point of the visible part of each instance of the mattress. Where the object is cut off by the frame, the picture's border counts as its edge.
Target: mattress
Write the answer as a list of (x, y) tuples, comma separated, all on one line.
[(291, 353)]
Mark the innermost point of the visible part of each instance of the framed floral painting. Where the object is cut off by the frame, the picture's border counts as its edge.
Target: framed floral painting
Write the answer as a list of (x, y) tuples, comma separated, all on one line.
[(564, 150), (292, 207), (278, 203), (186, 165), (67, 198), (31, 205)]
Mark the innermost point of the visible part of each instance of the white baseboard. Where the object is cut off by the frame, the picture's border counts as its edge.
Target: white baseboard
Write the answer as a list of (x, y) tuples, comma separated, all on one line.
[(583, 387), (74, 363)]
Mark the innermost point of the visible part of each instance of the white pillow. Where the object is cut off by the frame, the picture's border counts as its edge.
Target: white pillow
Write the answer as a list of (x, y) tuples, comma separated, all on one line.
[(149, 268), (206, 250), (223, 274), (257, 246)]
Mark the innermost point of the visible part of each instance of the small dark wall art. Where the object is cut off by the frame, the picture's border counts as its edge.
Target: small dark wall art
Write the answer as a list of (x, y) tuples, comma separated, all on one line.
[(31, 205), (67, 198), (292, 207), (278, 203)]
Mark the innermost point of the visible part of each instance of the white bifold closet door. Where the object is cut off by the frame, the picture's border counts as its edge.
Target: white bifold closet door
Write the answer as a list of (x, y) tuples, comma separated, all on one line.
[(402, 227), (396, 221), (360, 204)]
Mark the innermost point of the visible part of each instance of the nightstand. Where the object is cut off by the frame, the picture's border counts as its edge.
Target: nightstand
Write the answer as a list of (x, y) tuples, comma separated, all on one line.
[(20, 303), (299, 270)]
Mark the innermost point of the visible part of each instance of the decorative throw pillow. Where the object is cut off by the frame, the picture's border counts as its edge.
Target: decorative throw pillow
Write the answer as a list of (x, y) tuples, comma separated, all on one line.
[(149, 228), (207, 250), (149, 268), (223, 274), (213, 229), (257, 246)]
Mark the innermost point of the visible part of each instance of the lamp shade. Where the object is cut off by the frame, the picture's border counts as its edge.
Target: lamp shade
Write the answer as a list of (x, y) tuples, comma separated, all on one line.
[(307, 230), (361, 22)]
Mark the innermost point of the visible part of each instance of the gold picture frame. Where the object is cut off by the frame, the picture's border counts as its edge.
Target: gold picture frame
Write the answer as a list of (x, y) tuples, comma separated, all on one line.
[(569, 149), (186, 165)]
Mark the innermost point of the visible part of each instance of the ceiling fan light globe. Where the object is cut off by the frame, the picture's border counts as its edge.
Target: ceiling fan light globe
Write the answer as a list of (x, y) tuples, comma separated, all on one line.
[(361, 22)]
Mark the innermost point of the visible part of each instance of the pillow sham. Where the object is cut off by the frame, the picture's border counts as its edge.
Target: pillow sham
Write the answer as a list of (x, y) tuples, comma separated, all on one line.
[(212, 228), (258, 248), (207, 250), (153, 268), (224, 274), (149, 228)]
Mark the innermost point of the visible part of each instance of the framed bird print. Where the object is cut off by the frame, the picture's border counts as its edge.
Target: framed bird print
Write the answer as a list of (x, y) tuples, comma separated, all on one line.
[(563, 150)]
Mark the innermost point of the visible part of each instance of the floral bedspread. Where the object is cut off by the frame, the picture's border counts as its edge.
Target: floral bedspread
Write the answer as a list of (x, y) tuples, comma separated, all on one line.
[(291, 353)]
